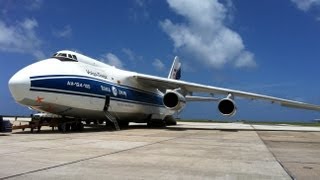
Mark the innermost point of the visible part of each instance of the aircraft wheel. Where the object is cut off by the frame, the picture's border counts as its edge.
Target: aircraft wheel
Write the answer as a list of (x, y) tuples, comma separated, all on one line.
[(68, 127), (65, 127), (60, 127), (74, 126), (123, 124), (80, 126), (39, 129), (169, 120), (156, 123), (100, 121), (108, 123)]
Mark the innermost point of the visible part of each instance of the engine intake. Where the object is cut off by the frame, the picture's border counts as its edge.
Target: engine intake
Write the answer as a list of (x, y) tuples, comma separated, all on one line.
[(174, 100), (227, 107)]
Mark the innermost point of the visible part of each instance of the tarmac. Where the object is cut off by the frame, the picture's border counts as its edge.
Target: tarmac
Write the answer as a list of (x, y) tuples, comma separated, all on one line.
[(186, 151)]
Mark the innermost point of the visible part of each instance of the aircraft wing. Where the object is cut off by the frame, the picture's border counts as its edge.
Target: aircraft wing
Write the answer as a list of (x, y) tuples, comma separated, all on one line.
[(164, 83)]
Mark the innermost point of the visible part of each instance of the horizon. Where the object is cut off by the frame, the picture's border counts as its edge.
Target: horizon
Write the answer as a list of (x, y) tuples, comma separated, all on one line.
[(268, 48)]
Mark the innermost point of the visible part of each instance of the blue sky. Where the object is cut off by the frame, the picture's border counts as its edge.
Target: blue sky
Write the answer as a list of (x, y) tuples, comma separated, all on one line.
[(269, 47)]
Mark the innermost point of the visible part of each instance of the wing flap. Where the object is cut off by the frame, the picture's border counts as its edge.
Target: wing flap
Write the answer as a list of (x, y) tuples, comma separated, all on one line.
[(301, 105)]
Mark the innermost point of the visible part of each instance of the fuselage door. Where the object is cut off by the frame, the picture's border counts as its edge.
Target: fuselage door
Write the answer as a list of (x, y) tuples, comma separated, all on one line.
[(107, 103)]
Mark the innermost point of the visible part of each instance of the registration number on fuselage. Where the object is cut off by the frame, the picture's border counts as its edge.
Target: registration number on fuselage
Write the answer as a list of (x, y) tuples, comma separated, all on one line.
[(78, 84)]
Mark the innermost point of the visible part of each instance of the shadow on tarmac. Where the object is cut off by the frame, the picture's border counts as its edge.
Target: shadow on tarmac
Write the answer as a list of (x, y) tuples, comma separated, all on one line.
[(103, 128)]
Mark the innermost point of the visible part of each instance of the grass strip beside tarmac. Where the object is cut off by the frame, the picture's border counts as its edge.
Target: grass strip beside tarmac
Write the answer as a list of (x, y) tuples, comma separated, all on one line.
[(309, 124)]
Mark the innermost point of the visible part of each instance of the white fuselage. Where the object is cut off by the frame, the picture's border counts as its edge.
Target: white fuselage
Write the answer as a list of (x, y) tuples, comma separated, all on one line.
[(81, 88)]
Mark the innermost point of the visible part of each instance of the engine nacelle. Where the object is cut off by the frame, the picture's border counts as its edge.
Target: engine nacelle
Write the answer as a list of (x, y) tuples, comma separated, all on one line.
[(174, 100), (227, 107)]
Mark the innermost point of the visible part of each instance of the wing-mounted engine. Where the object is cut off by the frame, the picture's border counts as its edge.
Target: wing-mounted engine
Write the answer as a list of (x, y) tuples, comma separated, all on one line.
[(227, 106), (174, 100)]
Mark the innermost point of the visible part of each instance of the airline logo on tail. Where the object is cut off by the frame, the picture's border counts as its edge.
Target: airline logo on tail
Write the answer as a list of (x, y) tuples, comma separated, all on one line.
[(175, 71)]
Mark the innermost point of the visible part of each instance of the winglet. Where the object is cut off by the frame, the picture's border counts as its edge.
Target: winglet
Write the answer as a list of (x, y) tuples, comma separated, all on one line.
[(175, 71)]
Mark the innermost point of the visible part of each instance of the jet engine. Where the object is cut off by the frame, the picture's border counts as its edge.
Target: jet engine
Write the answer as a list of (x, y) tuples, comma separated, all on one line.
[(227, 107), (174, 100)]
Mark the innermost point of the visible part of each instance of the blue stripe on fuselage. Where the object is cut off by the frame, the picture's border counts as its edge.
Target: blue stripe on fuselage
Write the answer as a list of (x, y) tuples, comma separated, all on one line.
[(92, 87), (87, 77)]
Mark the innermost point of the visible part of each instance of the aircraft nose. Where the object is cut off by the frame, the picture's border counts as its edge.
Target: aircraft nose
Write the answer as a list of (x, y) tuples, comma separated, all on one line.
[(19, 85)]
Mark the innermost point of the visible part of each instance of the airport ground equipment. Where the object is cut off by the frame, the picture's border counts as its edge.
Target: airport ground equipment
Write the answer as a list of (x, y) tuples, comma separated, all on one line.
[(5, 125)]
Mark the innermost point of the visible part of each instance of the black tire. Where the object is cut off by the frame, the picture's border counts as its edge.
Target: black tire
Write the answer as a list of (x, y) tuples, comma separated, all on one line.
[(80, 126), (156, 123), (65, 127), (60, 127), (123, 124), (170, 120), (74, 126), (100, 121), (68, 127)]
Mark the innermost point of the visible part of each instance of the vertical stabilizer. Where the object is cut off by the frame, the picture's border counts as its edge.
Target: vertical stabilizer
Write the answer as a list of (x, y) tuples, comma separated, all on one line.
[(175, 71)]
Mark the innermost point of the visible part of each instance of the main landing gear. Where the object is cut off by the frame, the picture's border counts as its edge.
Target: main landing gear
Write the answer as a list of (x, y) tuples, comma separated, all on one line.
[(70, 126), (159, 123)]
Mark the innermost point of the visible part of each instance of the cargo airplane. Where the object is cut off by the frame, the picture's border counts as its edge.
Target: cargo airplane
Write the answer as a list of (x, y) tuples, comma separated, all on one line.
[(81, 89)]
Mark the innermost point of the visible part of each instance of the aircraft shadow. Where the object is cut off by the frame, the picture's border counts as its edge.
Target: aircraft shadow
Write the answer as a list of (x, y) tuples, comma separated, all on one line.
[(143, 126)]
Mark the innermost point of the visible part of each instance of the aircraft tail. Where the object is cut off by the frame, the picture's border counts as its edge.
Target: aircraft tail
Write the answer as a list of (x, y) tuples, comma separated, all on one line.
[(175, 71)]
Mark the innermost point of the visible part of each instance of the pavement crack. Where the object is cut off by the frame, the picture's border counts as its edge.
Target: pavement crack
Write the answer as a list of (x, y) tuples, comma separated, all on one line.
[(89, 158), (283, 167)]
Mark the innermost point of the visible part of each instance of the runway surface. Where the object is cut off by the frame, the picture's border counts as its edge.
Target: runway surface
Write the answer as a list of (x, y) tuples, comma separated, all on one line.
[(186, 151)]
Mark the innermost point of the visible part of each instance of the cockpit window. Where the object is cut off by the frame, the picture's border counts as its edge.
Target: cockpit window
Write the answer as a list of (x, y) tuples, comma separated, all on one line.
[(65, 57), (74, 57)]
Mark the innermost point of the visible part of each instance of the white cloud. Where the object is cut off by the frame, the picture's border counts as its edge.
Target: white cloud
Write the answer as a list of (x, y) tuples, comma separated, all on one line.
[(24, 7), (205, 35), (139, 10), (112, 60), (140, 3), (305, 5), (65, 32), (33, 4), (21, 37), (158, 64), (129, 53), (245, 59), (132, 56), (29, 24)]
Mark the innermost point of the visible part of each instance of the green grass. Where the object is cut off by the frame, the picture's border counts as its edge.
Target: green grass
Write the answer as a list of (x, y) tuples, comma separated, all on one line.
[(203, 120), (315, 124), (312, 124)]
